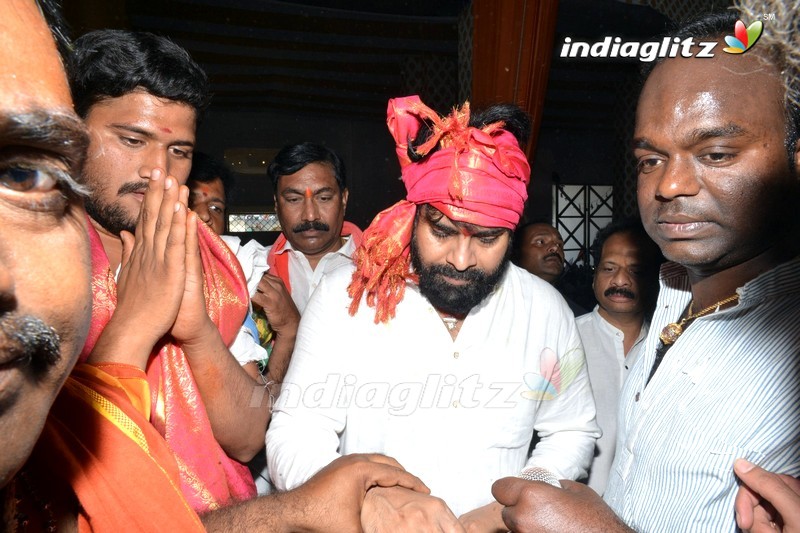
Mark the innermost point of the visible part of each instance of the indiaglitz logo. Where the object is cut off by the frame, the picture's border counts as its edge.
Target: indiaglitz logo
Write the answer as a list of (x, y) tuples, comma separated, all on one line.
[(554, 375), (741, 41), (743, 38)]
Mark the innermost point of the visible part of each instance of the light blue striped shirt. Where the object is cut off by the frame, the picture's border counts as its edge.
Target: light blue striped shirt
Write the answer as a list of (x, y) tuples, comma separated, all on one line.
[(729, 387)]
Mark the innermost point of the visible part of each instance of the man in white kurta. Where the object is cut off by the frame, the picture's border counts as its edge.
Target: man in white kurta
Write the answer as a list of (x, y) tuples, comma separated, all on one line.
[(457, 413), (432, 348)]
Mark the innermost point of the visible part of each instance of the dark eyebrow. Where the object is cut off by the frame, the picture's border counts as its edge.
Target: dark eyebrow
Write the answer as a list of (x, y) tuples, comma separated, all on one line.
[(149, 135), (703, 134), (697, 135), (301, 193), (63, 134)]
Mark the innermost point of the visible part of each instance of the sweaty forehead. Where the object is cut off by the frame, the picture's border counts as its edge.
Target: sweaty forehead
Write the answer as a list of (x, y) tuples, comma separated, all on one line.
[(725, 89), (31, 73)]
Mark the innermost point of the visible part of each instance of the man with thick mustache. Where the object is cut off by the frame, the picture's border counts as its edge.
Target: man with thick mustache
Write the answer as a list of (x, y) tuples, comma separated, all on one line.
[(539, 249), (625, 285), (309, 182), (435, 348)]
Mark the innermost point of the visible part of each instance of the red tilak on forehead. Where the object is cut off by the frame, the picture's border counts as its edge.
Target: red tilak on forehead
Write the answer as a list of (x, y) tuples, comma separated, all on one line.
[(165, 130), (202, 188), (309, 193)]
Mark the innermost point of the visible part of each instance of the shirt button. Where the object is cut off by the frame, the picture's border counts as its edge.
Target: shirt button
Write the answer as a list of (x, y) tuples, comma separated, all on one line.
[(455, 404), (636, 398), (455, 355)]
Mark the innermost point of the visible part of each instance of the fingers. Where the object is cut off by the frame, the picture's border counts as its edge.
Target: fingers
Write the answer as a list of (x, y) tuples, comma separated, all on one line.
[(507, 490), (193, 260), (385, 471), (128, 241), (778, 492), (381, 475)]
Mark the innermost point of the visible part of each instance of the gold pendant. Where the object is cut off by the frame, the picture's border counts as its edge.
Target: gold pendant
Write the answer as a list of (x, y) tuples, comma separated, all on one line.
[(670, 333)]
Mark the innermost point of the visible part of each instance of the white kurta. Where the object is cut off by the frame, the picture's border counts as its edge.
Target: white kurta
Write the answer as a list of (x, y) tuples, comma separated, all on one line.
[(458, 414), (608, 366)]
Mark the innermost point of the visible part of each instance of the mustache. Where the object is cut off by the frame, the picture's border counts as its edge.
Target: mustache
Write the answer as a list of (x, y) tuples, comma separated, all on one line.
[(311, 225), (133, 187), (621, 291), (554, 254), (30, 341), (472, 274)]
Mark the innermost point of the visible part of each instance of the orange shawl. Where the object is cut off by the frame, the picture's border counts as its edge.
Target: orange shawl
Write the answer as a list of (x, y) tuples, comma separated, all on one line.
[(98, 444), (209, 478)]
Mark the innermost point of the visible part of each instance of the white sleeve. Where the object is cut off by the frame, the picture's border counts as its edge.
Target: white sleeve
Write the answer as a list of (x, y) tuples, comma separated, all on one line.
[(566, 424), (245, 348), (303, 436), (253, 258)]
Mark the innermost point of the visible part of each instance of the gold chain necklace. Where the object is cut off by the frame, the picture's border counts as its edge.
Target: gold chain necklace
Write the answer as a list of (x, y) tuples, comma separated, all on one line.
[(671, 332)]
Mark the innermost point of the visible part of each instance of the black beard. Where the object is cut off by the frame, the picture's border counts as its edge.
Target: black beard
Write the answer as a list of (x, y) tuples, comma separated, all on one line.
[(455, 300), (113, 218)]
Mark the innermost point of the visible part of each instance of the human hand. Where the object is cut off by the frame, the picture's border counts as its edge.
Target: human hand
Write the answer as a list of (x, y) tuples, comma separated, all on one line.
[(766, 501), (271, 296), (398, 509), (192, 323), (151, 281), (486, 519), (541, 507), (336, 494)]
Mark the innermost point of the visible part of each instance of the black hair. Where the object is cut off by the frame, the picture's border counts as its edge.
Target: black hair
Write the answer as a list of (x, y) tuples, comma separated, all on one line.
[(112, 63), (634, 227), (294, 157), (51, 11), (516, 121), (715, 26), (206, 169)]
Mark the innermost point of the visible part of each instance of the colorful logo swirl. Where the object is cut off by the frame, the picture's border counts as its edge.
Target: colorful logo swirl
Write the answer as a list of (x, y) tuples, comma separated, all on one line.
[(743, 38)]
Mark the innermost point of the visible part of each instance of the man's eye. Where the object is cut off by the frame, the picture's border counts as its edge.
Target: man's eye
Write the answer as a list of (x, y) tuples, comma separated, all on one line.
[(718, 157), (441, 233), (647, 164), (292, 200), (179, 152), (130, 141), (325, 198), (217, 209), (21, 179), (491, 239), (539, 242)]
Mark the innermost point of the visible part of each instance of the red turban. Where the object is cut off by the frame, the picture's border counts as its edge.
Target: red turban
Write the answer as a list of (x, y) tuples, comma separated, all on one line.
[(477, 176)]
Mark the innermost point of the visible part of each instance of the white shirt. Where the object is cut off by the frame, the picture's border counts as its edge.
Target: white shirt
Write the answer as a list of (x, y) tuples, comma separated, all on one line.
[(458, 414), (303, 279), (608, 367), (727, 388)]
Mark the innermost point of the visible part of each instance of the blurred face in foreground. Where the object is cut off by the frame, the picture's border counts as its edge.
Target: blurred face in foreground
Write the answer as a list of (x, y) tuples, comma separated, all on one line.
[(45, 300)]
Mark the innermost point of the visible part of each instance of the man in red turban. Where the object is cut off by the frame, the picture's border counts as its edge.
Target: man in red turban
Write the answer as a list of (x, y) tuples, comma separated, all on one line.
[(448, 357)]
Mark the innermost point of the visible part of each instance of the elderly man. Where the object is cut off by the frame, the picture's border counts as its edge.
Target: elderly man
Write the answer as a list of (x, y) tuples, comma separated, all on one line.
[(460, 357), (311, 194), (716, 141), (99, 464), (625, 285)]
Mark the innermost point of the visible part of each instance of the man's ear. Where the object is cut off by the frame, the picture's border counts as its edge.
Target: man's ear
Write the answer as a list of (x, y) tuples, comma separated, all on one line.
[(345, 196)]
